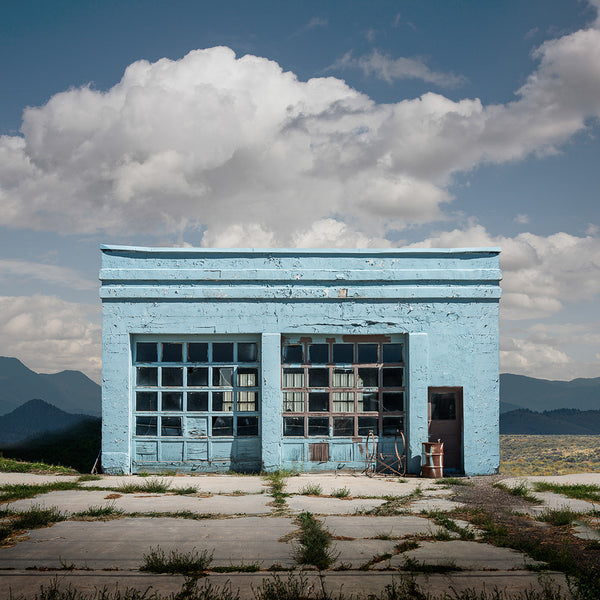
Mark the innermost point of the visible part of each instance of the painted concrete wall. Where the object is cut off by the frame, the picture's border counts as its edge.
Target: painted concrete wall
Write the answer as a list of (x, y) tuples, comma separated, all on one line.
[(442, 303)]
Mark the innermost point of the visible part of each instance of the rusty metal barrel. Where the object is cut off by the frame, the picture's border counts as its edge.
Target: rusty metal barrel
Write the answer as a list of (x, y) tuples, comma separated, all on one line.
[(433, 460)]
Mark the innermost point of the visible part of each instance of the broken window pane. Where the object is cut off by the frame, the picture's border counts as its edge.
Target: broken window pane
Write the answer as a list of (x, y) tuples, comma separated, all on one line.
[(172, 401), (222, 352), (293, 378), (197, 401), (318, 377), (198, 352), (247, 426), (343, 426), (247, 377), (170, 426), (367, 377), (343, 353), (366, 424), (393, 425), (172, 352), (343, 378), (197, 376), (392, 353), (392, 377), (368, 401), (293, 426), (318, 426), (146, 376), (222, 376), (146, 352), (222, 401), (343, 401), (318, 353), (172, 376), (367, 353), (146, 401), (222, 426), (247, 401), (318, 401), (443, 406), (293, 401), (145, 426), (292, 353), (247, 352), (393, 401)]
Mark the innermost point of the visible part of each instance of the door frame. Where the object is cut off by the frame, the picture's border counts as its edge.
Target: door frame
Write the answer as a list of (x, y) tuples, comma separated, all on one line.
[(458, 390)]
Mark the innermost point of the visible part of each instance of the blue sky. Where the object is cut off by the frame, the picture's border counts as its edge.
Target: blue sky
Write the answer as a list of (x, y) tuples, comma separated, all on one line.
[(389, 123)]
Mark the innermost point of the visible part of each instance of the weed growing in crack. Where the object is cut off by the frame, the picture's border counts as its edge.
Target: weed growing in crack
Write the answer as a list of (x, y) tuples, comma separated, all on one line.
[(405, 546), (100, 511), (19, 491), (151, 486), (577, 491), (37, 517), (314, 543), (448, 481), (341, 493), (184, 563), (410, 564), (186, 491), (558, 516), (521, 491), (276, 481), (311, 489), (439, 518)]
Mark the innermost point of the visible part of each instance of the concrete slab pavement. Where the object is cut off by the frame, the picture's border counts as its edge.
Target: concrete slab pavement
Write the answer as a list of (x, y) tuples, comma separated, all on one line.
[(370, 527), (332, 506)]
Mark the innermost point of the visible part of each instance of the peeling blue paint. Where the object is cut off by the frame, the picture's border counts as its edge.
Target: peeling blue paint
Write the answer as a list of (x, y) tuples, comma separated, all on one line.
[(441, 303)]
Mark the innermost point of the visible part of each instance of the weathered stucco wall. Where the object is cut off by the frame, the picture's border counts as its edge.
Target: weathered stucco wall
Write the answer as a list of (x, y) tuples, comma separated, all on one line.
[(442, 303)]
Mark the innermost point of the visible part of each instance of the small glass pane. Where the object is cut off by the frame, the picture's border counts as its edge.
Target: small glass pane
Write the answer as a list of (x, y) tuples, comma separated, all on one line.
[(343, 353), (146, 352), (393, 401), (170, 426), (367, 353), (343, 378), (318, 353), (293, 426), (343, 426), (197, 352), (392, 426), (222, 352), (146, 401), (367, 424), (222, 377), (247, 401), (247, 377), (293, 401), (443, 406), (172, 352), (197, 401), (368, 401), (147, 376), (392, 353), (247, 426), (292, 353), (318, 426), (247, 352), (172, 401), (367, 378), (172, 376), (318, 401), (343, 401), (222, 426), (197, 376), (222, 401), (293, 378), (318, 377), (392, 377), (145, 426)]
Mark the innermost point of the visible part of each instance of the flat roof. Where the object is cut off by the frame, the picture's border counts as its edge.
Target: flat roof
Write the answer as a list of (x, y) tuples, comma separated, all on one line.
[(186, 250)]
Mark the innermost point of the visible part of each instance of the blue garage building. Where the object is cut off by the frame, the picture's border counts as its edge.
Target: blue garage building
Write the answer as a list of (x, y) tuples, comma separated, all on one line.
[(246, 359)]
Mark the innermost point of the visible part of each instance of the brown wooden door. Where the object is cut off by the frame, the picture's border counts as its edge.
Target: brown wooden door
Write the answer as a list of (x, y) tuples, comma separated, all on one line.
[(445, 423)]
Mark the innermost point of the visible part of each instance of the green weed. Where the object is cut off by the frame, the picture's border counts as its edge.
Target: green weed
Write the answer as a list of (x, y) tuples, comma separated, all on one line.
[(405, 546), (10, 465), (441, 519), (341, 493), (89, 477), (186, 491), (19, 491), (312, 489), (251, 568), (453, 481), (578, 491), (314, 543), (521, 491), (558, 516), (108, 510), (412, 565), (184, 563), (151, 486)]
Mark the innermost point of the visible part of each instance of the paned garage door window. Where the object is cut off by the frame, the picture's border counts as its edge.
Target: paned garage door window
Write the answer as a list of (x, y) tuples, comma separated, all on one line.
[(178, 381), (342, 389)]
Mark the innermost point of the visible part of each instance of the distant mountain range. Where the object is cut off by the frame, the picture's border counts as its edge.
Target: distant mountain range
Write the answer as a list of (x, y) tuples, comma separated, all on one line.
[(70, 391), (565, 421), (519, 391), (34, 419)]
